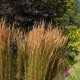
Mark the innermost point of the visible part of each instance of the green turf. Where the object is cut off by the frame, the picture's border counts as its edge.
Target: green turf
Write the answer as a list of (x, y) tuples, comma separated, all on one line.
[(75, 73)]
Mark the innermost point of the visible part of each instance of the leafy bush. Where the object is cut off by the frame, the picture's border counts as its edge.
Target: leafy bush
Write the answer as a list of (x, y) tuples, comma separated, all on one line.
[(74, 37), (73, 41), (76, 19)]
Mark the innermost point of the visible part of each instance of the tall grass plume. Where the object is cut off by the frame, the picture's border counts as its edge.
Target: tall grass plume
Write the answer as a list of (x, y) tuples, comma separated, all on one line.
[(33, 55)]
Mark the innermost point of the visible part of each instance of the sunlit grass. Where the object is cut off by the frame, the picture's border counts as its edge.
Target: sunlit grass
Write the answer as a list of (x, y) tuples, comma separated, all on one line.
[(75, 73), (33, 55)]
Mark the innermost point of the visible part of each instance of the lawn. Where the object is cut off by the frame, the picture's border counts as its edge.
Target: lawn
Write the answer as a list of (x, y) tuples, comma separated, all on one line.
[(75, 74)]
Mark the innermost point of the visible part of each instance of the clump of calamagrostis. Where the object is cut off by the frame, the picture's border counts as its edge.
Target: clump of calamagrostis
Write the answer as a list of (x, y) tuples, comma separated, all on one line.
[(33, 55)]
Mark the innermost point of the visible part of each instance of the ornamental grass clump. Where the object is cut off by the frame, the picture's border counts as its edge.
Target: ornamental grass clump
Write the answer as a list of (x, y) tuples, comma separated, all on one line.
[(33, 55)]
